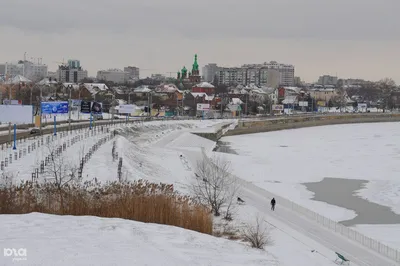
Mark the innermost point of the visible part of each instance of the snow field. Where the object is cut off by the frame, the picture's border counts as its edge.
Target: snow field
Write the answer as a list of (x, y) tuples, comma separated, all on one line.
[(98, 241), (134, 145), (160, 160), (360, 151), (167, 152), (315, 153)]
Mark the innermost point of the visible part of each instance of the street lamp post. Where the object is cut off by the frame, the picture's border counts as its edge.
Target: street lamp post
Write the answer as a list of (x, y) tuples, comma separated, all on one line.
[(40, 107), (69, 108)]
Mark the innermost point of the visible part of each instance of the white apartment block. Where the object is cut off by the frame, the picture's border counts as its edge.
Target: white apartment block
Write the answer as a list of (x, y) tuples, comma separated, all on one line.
[(270, 74), (12, 69), (26, 69), (113, 75), (209, 72), (35, 71), (133, 72), (232, 76), (327, 80)]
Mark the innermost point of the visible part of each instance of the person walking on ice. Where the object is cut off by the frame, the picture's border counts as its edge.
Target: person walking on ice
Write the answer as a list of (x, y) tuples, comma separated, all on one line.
[(273, 202)]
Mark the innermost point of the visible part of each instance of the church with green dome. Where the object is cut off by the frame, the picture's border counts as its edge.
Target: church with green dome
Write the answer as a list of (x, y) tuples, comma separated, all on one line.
[(193, 76)]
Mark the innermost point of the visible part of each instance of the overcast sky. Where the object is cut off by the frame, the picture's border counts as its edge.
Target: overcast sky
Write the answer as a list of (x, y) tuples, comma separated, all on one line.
[(350, 38)]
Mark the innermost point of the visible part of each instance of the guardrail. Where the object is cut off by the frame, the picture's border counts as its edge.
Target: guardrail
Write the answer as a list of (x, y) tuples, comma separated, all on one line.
[(345, 231), (7, 139)]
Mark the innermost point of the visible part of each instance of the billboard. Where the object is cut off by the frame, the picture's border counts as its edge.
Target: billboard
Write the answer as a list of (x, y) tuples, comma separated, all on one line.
[(97, 108), (54, 107), (13, 102), (126, 108), (203, 106), (91, 107), (75, 103), (277, 107), (16, 114), (303, 103)]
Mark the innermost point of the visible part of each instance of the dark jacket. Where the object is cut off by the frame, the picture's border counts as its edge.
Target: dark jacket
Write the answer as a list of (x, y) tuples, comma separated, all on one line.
[(273, 201)]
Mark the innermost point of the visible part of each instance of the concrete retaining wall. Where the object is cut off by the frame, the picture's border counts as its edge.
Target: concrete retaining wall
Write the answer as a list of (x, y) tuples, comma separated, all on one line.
[(249, 127), (214, 136)]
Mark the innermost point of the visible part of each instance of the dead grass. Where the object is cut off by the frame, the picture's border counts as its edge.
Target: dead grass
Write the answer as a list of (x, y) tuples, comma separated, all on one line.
[(140, 201)]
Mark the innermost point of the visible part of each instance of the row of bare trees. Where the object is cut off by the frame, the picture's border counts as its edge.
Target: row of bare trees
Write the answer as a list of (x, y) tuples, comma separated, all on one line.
[(382, 92)]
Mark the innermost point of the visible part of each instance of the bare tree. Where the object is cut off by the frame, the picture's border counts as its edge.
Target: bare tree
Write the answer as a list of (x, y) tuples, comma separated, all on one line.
[(386, 88), (214, 185), (258, 234), (341, 99), (7, 179), (61, 171)]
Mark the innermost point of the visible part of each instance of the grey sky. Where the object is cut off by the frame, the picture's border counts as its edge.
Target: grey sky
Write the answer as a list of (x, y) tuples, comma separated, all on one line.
[(353, 38)]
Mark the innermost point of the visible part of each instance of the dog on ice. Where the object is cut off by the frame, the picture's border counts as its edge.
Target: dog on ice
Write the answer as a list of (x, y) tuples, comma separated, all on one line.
[(239, 200)]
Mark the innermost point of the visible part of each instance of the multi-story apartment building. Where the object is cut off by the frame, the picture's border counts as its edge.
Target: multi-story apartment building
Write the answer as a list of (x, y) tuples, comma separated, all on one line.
[(351, 82), (35, 71), (71, 72), (12, 69), (114, 75), (133, 72), (159, 77), (232, 75), (27, 69), (327, 80), (210, 71), (269, 74)]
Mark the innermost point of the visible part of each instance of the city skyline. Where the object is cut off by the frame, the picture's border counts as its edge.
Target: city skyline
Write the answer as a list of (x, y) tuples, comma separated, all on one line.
[(317, 38)]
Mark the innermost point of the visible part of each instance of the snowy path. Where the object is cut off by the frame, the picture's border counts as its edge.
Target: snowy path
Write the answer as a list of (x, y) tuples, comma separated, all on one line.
[(356, 253), (294, 224)]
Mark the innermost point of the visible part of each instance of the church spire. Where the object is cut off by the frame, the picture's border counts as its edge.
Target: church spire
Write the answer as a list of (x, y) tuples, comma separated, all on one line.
[(195, 64)]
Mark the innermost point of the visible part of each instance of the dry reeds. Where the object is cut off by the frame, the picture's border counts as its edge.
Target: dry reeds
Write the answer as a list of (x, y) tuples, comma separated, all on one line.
[(140, 201)]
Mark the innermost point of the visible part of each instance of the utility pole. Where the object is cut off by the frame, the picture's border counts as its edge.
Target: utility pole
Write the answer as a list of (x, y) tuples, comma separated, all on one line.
[(113, 108), (9, 132), (177, 112), (69, 108), (246, 103), (40, 107), (222, 95)]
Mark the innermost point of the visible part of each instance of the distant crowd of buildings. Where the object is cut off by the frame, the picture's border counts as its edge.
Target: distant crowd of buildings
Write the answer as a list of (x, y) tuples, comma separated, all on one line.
[(252, 88), (269, 74)]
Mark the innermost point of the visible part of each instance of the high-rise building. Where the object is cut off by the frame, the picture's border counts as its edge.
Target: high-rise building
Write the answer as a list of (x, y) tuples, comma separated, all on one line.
[(327, 80), (210, 71), (270, 74), (133, 72), (35, 71), (114, 75), (71, 72), (12, 69)]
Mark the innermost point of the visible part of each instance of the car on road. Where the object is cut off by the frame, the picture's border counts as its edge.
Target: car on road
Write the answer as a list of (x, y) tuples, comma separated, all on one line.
[(34, 131)]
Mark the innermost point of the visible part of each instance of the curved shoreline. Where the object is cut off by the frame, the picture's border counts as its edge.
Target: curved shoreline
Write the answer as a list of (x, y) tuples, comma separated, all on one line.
[(282, 123)]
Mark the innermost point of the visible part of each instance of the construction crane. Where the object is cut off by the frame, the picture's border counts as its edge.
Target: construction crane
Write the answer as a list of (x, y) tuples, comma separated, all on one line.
[(146, 69), (61, 63), (170, 73)]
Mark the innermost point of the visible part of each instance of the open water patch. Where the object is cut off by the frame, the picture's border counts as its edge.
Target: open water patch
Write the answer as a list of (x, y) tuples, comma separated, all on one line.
[(341, 192), (225, 147)]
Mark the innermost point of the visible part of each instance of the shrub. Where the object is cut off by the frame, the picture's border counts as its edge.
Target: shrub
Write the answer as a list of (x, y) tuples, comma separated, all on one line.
[(257, 235), (140, 201)]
